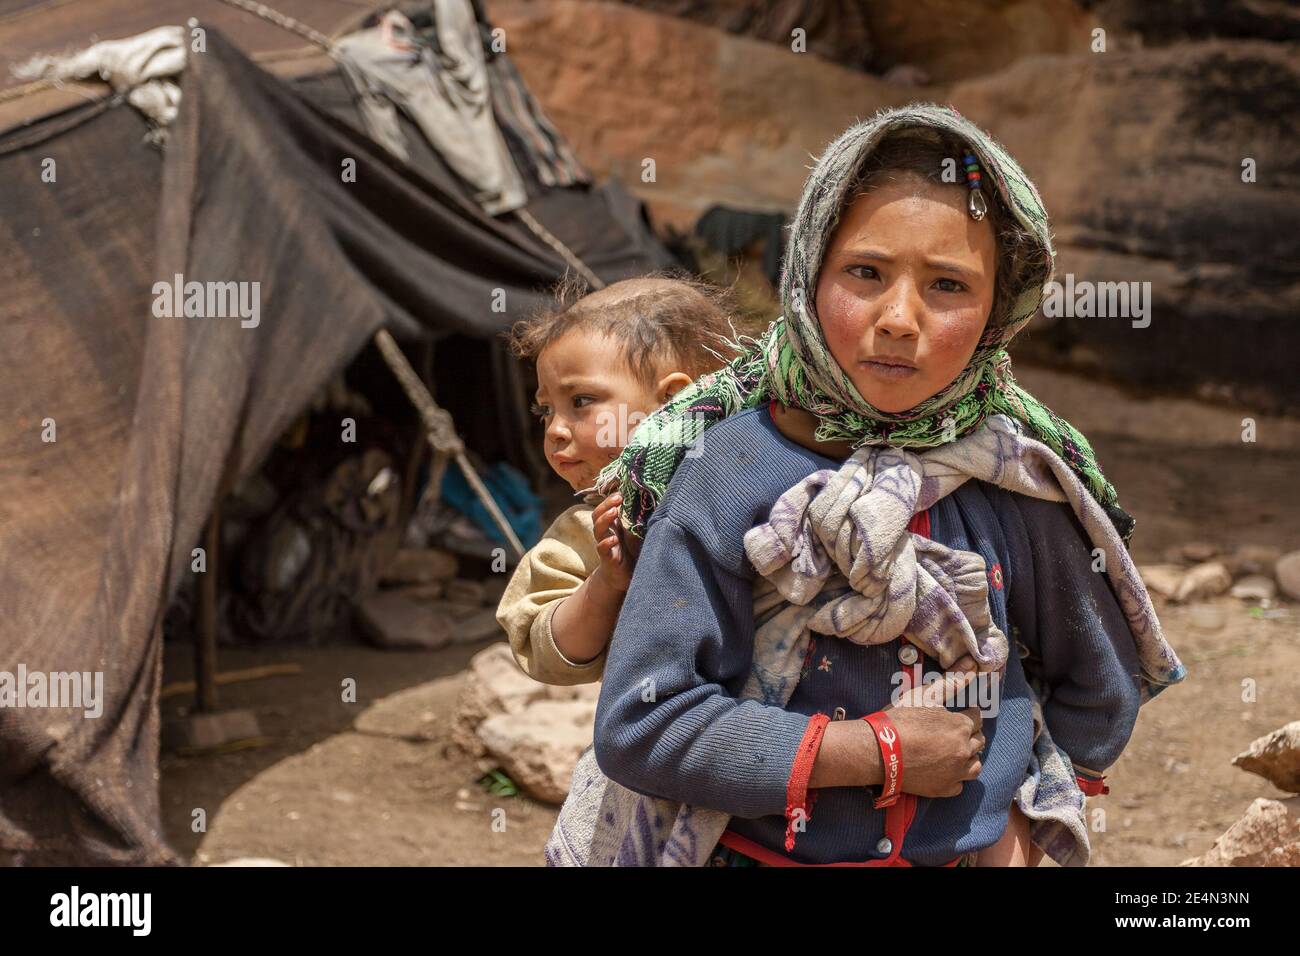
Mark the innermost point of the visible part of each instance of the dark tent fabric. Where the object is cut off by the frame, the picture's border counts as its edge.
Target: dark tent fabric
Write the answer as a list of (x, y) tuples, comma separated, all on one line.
[(150, 412)]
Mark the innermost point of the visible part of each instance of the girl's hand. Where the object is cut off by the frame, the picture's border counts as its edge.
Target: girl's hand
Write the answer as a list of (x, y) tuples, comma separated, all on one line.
[(614, 566), (941, 748)]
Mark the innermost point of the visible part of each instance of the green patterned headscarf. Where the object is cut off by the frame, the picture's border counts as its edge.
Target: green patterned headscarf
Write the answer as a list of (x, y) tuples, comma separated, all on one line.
[(792, 364)]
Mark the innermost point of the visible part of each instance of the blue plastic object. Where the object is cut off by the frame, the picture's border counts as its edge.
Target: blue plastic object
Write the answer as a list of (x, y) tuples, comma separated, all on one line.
[(513, 496)]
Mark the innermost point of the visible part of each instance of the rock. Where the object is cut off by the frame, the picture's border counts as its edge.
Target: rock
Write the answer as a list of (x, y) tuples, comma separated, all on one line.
[(391, 620), (1198, 552), (1162, 579), (1203, 581), (1115, 231), (1253, 559), (1254, 587), (539, 746), (463, 591), (1207, 617), (494, 685), (1275, 757), (1287, 572), (420, 566), (1267, 835)]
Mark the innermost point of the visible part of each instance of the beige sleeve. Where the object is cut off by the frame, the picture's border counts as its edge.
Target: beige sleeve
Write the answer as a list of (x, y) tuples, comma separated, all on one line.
[(564, 558)]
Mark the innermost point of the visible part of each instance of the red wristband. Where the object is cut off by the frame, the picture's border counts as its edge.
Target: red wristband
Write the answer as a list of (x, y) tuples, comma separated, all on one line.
[(891, 758), (798, 800), (1092, 788)]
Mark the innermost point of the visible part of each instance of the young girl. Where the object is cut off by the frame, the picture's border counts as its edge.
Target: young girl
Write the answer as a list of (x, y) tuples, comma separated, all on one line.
[(604, 362), (780, 591)]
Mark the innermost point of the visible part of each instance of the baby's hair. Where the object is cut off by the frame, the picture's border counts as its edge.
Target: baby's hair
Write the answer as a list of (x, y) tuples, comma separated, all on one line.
[(924, 153), (666, 321)]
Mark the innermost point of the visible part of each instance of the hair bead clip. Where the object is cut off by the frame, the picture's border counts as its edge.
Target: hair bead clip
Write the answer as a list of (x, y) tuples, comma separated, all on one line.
[(976, 205)]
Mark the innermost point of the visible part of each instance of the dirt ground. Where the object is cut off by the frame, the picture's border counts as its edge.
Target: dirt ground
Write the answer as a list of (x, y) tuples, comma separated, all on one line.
[(329, 786)]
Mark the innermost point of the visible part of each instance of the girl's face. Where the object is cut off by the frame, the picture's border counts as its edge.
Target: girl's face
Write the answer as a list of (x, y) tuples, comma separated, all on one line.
[(905, 290)]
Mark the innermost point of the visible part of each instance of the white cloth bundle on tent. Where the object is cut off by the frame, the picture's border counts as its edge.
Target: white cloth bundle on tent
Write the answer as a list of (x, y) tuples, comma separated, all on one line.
[(141, 66), (447, 95)]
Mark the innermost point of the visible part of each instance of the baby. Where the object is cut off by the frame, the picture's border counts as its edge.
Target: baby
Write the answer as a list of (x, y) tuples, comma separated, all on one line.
[(604, 362)]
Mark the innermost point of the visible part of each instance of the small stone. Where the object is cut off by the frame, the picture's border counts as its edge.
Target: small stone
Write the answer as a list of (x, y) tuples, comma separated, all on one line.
[(1162, 579), (1254, 587), (1203, 581), (393, 621), (1275, 757), (1199, 552), (1287, 572)]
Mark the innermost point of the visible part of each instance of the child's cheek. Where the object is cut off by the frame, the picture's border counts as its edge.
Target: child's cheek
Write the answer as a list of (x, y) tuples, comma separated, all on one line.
[(602, 433), (844, 320), (953, 337)]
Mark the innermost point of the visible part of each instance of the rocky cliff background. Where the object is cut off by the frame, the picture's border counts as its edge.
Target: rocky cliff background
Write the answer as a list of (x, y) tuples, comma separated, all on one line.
[(1136, 120)]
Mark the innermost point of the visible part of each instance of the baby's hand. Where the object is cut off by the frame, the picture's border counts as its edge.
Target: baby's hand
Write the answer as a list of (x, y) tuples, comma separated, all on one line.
[(614, 567)]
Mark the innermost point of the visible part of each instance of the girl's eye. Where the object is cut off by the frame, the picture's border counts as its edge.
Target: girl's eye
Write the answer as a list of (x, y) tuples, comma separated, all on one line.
[(580, 401), (949, 285), (870, 271), (540, 411)]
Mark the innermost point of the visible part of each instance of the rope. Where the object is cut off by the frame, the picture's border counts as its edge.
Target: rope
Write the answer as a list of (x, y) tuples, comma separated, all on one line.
[(567, 254), (441, 431), (282, 20)]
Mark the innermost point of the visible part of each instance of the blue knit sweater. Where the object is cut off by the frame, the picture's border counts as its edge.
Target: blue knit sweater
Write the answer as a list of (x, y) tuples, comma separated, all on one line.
[(669, 723)]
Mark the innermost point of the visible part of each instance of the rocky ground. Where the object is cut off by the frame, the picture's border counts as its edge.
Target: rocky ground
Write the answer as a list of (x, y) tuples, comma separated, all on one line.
[(382, 782)]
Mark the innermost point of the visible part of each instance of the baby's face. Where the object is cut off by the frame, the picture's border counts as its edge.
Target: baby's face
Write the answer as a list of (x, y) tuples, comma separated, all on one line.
[(905, 290), (589, 402)]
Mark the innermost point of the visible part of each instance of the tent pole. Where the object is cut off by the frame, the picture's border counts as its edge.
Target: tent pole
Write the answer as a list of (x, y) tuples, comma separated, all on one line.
[(441, 430)]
